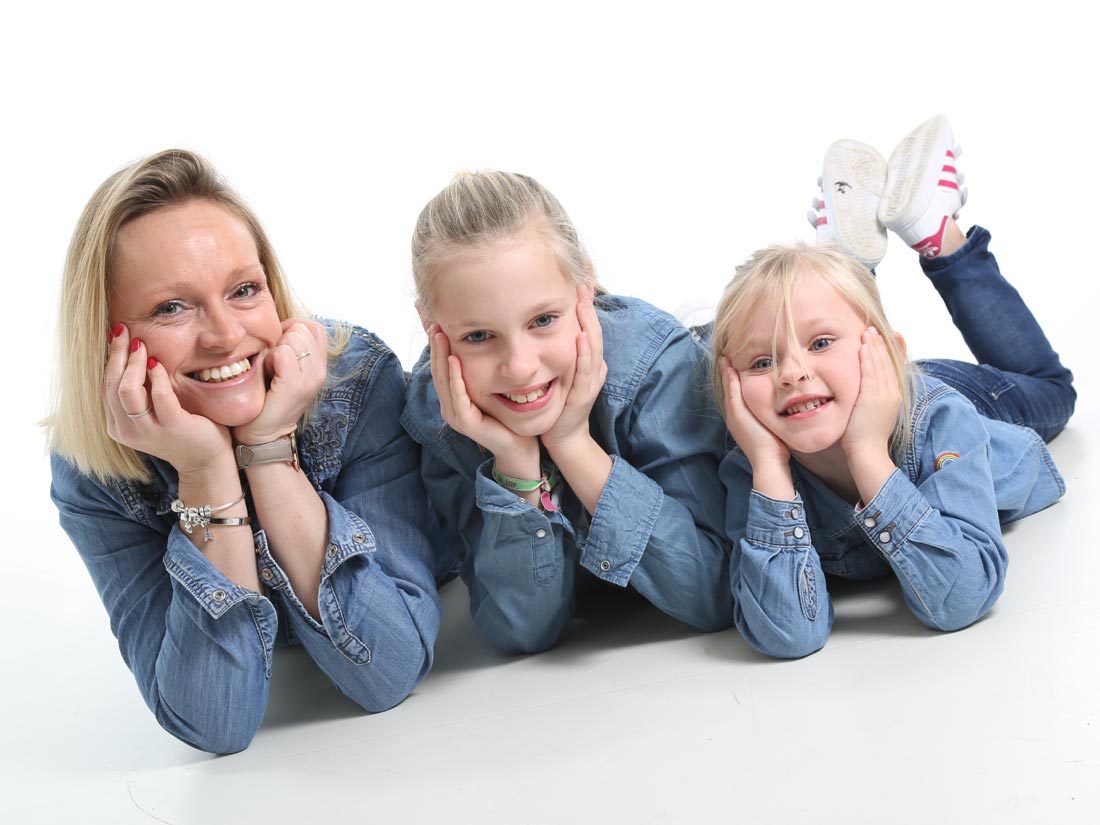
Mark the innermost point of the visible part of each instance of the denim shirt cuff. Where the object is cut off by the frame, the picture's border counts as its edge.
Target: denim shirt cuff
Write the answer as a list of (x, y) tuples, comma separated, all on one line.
[(773, 522), (492, 498), (348, 536), (209, 586), (620, 529), (891, 516)]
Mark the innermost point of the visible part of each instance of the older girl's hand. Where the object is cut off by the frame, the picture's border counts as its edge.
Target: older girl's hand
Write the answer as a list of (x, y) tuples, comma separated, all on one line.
[(589, 375), (464, 416), (296, 368), (142, 411), (875, 413)]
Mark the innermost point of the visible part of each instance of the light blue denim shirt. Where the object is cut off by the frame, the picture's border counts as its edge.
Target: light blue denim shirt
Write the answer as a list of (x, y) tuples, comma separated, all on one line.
[(935, 524), (657, 525), (201, 646)]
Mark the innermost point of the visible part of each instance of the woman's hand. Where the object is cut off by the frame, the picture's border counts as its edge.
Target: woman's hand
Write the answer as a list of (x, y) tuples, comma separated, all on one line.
[(875, 413), (589, 375), (143, 412), (295, 369), (464, 416), (769, 457)]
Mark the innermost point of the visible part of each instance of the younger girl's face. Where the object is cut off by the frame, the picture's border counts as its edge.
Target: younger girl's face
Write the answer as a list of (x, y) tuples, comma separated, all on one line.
[(806, 393), (510, 315)]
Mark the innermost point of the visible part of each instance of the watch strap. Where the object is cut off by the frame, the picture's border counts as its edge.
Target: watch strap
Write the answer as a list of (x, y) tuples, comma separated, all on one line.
[(283, 449)]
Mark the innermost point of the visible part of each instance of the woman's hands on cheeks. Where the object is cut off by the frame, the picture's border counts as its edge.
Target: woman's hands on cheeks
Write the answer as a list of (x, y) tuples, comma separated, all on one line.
[(866, 441), (294, 380), (588, 379), (134, 383), (464, 416), (769, 457)]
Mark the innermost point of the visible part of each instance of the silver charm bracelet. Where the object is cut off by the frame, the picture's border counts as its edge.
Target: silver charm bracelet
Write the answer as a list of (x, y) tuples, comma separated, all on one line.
[(192, 517)]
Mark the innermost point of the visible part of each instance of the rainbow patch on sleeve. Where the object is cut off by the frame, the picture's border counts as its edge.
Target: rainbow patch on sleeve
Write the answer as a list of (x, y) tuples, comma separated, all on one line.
[(943, 459)]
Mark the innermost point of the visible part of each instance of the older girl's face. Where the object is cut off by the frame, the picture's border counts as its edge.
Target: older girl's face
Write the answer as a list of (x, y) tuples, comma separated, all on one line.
[(187, 281)]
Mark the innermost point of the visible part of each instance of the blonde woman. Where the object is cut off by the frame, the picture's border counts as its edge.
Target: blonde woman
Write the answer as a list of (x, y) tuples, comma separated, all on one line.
[(232, 474)]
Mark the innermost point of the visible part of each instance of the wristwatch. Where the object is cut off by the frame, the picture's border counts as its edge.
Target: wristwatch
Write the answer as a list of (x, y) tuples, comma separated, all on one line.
[(273, 452)]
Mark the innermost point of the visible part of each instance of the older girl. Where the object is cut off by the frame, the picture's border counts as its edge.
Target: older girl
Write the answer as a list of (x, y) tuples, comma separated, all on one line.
[(565, 432), (230, 472)]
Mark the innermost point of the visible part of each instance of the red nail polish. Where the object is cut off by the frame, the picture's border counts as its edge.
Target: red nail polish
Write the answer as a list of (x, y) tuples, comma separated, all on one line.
[(116, 331), (152, 363), (134, 346)]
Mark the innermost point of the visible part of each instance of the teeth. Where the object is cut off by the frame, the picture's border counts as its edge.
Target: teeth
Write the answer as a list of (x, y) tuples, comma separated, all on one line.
[(528, 398), (217, 374), (809, 405)]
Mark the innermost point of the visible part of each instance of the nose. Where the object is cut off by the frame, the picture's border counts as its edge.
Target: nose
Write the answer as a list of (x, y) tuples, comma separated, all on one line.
[(521, 360), (222, 330), (793, 370)]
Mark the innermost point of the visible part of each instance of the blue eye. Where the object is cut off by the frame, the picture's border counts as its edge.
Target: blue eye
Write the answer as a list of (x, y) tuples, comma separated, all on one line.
[(248, 290), (819, 344), (479, 336), (168, 308), (762, 364), (543, 321)]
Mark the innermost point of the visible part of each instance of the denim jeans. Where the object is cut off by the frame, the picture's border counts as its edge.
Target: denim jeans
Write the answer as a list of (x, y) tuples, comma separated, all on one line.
[(1019, 377)]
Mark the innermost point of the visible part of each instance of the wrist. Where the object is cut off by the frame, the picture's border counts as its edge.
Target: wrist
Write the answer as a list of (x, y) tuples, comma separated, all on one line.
[(521, 462)]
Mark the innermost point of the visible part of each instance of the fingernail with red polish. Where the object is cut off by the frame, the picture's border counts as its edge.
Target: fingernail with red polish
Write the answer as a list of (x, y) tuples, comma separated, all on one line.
[(134, 346), (116, 331), (152, 363)]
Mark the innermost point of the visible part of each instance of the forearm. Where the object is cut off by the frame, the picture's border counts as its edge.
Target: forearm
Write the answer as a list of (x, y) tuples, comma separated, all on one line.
[(585, 465)]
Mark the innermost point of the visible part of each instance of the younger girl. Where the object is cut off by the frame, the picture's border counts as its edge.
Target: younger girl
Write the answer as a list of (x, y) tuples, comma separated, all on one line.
[(561, 427), (892, 470)]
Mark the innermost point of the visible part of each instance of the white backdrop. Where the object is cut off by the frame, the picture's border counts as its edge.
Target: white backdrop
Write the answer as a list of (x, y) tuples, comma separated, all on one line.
[(679, 135)]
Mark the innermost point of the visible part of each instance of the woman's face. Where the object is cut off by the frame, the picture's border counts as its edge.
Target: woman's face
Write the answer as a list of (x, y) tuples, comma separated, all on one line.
[(187, 281)]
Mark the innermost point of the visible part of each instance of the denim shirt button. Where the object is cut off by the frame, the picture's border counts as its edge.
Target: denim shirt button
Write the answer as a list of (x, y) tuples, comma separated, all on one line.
[(218, 595), (331, 551), (266, 574), (884, 537), (868, 522), (359, 538), (796, 513), (798, 532), (540, 533), (605, 565)]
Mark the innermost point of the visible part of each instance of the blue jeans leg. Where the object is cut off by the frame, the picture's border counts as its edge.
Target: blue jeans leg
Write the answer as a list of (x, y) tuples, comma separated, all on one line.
[(1019, 377)]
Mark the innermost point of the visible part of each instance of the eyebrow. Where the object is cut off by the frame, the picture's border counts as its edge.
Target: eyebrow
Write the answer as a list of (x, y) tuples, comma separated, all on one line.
[(544, 308)]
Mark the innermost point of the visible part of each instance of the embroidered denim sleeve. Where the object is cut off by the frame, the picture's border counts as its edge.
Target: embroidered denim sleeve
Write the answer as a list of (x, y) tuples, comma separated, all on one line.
[(940, 533), (378, 600), (199, 646), (780, 604), (658, 522)]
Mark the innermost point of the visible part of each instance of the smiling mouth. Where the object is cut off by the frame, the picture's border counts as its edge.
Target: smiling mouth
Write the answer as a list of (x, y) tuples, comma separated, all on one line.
[(214, 375), (530, 397), (806, 406)]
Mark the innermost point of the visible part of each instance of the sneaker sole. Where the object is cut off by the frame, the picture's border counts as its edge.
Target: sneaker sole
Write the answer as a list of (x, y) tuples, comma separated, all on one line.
[(908, 196), (852, 182)]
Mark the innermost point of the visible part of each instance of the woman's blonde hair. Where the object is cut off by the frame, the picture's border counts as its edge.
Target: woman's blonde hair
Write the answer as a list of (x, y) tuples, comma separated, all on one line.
[(479, 209), (76, 426), (766, 282)]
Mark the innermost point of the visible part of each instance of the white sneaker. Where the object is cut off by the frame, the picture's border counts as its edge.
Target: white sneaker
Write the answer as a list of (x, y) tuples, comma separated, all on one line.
[(923, 187), (852, 180)]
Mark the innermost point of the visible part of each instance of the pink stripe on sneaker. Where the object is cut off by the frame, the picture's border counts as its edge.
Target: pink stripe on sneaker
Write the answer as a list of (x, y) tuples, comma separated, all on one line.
[(822, 221), (950, 169), (950, 154), (950, 184)]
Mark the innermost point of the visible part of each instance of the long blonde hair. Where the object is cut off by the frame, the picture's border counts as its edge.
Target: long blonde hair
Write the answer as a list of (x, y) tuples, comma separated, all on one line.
[(766, 281), (478, 209), (75, 427)]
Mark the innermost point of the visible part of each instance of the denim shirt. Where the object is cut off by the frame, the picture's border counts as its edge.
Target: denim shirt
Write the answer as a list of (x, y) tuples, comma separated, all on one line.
[(657, 525), (935, 523), (201, 646)]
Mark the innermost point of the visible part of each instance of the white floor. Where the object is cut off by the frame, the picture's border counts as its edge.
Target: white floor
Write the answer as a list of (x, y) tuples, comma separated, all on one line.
[(680, 137)]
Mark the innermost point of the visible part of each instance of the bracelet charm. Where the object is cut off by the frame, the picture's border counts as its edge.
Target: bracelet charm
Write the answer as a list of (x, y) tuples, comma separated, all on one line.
[(201, 516)]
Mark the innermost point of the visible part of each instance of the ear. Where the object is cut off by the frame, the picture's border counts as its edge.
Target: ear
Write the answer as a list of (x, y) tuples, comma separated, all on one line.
[(425, 319), (903, 348)]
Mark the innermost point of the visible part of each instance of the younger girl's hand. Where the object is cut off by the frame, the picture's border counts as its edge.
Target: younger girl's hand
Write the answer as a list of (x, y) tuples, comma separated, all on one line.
[(761, 446), (463, 415), (589, 375), (142, 411), (296, 368), (875, 412)]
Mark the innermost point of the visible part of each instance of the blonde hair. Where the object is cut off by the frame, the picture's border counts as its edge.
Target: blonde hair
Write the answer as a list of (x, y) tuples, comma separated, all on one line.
[(479, 209), (766, 281), (75, 427)]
